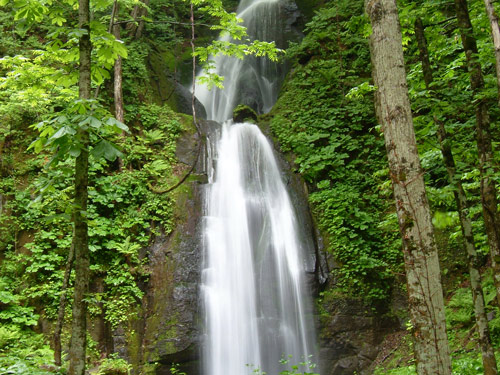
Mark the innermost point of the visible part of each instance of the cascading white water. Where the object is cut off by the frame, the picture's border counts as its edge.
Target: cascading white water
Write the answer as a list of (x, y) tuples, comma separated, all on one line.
[(253, 81), (257, 309), (256, 304)]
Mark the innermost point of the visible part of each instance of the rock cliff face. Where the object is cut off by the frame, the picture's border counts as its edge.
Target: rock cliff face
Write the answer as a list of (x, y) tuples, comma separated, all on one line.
[(350, 337), (166, 329), (170, 332)]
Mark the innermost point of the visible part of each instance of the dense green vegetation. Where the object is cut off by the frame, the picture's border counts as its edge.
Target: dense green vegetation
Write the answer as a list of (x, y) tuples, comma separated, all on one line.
[(324, 120), (126, 207), (338, 150)]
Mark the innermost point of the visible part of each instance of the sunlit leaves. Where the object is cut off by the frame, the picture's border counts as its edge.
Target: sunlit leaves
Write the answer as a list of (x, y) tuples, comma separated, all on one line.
[(32, 85), (62, 133), (232, 42), (30, 10), (360, 90), (235, 50), (63, 38), (107, 47)]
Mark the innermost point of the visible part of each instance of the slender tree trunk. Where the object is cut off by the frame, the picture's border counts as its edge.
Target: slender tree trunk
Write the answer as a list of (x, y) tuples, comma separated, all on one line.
[(193, 108), (424, 52), (62, 306), (483, 137), (487, 352), (495, 34), (420, 253), (118, 77), (77, 350), (114, 12), (138, 12), (119, 112)]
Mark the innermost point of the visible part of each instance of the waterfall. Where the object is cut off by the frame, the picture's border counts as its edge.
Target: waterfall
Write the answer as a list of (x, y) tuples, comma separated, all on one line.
[(256, 304)]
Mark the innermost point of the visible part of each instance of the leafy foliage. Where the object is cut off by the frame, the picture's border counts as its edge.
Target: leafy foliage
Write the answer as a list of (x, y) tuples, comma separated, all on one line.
[(36, 189), (338, 149), (462, 335), (23, 352), (114, 366)]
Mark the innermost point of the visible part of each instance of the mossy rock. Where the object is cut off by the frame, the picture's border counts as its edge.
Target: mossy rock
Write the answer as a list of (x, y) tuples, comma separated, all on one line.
[(243, 113), (164, 81)]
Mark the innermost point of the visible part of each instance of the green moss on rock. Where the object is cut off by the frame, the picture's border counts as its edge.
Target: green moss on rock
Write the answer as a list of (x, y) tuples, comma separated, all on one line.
[(243, 113)]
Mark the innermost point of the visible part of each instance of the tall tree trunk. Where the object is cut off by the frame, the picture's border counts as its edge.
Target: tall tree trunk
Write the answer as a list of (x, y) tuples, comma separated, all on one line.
[(77, 350), (495, 34), (62, 305), (487, 352), (118, 93), (118, 76), (483, 137), (419, 248), (424, 52)]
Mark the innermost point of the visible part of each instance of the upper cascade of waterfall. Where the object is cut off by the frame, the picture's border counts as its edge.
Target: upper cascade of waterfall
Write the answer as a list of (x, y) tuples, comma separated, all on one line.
[(253, 81), (244, 4)]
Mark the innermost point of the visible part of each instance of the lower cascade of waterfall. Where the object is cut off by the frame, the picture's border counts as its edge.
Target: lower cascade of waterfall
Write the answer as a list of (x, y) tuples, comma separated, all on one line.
[(256, 305)]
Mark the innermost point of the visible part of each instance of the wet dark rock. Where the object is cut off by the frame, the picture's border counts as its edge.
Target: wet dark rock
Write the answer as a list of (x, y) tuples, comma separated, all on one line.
[(120, 342), (293, 21), (166, 87), (183, 99), (249, 97), (350, 337), (167, 326)]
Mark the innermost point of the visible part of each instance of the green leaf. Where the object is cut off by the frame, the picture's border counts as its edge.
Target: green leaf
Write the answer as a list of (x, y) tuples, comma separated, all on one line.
[(75, 151), (107, 150), (92, 121), (62, 132), (114, 122)]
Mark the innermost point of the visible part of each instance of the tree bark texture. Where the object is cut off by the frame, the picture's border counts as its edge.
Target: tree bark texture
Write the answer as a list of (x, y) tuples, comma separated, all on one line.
[(77, 350), (487, 352), (420, 253), (495, 34), (118, 75), (138, 12), (62, 306), (483, 137)]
